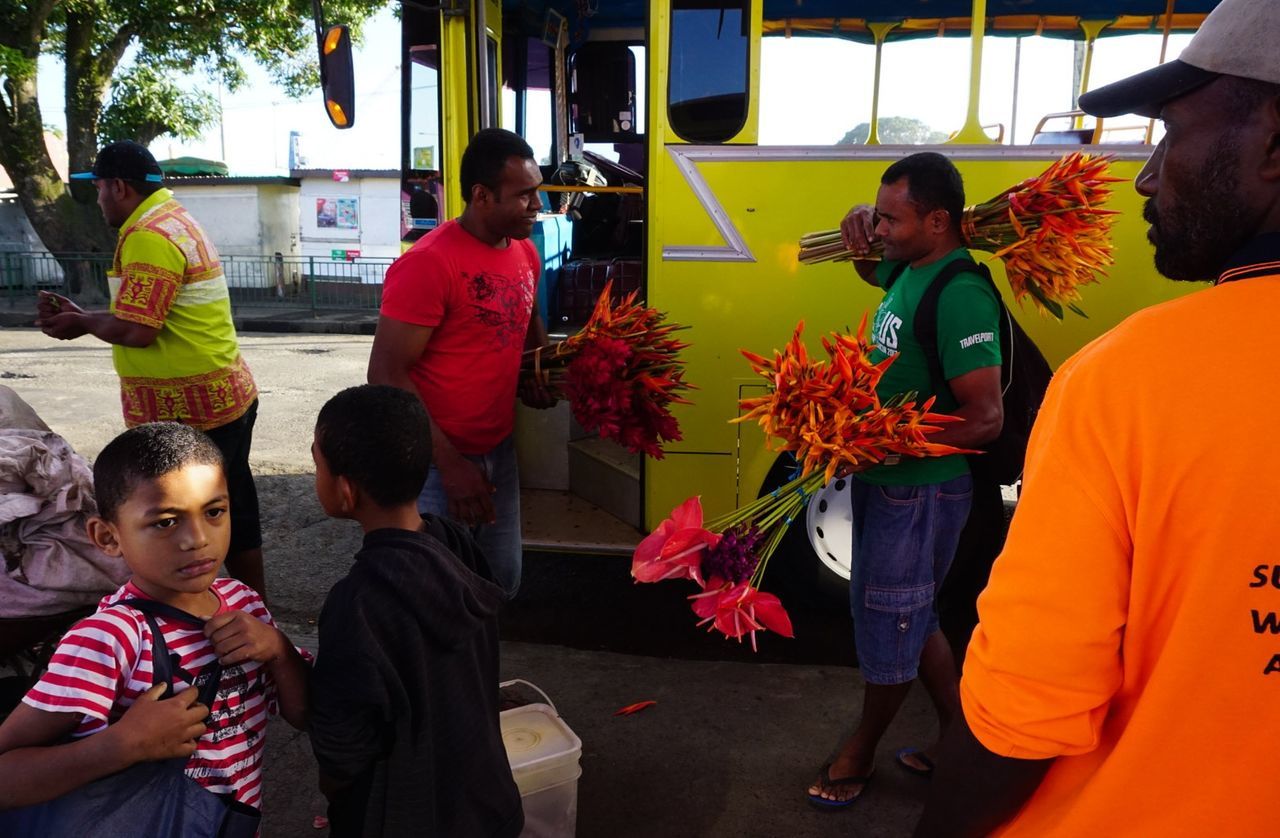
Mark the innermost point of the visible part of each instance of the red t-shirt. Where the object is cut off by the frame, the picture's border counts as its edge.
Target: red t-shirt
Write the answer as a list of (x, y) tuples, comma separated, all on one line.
[(477, 300), (103, 664)]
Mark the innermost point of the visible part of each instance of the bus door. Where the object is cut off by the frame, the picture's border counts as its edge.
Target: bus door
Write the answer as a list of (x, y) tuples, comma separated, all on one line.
[(451, 66)]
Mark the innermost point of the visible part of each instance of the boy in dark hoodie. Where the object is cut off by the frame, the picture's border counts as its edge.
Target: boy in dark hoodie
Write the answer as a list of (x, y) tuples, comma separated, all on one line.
[(404, 713)]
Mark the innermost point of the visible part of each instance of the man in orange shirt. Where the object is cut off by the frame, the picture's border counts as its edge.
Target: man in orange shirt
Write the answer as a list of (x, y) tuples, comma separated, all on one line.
[(1125, 676)]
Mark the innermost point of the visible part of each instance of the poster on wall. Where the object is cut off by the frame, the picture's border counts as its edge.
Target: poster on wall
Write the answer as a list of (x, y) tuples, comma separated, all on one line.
[(349, 213), (338, 213), (326, 212)]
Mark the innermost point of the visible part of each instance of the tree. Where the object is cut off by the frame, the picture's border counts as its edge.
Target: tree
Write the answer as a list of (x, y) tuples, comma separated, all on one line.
[(895, 130), (171, 37), (146, 104)]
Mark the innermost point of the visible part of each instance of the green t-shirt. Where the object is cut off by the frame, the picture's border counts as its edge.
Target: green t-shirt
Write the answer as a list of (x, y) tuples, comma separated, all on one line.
[(968, 339)]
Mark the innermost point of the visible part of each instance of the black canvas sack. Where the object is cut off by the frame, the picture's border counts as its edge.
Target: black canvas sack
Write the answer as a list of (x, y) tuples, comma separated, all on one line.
[(1024, 374)]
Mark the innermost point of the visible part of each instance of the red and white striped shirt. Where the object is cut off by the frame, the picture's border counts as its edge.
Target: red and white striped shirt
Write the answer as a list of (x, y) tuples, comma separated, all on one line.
[(103, 664)]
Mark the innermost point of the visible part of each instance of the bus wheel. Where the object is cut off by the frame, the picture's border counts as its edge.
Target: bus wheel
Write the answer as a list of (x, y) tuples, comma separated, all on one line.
[(811, 565)]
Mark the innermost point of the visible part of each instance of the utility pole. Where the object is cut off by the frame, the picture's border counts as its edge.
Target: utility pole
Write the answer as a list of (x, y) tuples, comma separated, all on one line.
[(222, 130)]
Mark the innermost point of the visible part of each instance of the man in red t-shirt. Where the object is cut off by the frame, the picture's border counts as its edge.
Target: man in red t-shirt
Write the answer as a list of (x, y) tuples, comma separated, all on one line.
[(457, 313)]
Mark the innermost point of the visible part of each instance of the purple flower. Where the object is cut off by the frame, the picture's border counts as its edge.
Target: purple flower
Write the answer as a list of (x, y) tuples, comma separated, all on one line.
[(735, 557)]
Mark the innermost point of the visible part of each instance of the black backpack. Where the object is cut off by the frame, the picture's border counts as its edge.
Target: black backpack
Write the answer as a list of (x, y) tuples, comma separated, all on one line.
[(1024, 374)]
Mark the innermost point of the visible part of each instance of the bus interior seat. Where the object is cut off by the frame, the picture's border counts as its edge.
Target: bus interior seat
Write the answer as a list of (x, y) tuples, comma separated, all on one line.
[(1065, 136), (1074, 136)]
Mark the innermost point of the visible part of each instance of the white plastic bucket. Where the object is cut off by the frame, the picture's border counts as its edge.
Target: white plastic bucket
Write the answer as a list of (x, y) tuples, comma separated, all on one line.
[(544, 755)]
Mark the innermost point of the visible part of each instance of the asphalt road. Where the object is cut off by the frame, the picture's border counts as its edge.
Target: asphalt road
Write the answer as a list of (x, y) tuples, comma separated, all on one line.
[(735, 736)]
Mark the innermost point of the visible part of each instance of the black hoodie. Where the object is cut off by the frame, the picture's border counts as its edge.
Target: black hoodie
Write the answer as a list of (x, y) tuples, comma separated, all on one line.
[(404, 693)]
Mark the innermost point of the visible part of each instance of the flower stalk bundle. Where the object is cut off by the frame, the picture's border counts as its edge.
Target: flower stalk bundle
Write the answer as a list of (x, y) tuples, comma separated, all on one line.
[(827, 413), (620, 374), (1049, 231)]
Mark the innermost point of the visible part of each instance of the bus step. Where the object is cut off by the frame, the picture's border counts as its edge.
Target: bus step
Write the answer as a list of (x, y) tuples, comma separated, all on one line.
[(608, 475)]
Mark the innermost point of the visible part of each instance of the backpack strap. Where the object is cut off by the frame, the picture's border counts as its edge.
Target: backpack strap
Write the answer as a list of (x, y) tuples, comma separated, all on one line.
[(926, 321), (894, 274), (162, 662)]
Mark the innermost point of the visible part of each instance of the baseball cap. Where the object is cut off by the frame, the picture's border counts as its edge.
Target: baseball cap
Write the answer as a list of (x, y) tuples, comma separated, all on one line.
[(124, 159), (1238, 38)]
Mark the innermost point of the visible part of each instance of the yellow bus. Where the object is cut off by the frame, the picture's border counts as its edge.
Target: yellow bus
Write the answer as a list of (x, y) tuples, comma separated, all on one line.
[(648, 118)]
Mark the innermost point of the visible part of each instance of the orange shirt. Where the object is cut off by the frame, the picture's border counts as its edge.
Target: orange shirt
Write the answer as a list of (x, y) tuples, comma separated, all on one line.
[(1132, 624)]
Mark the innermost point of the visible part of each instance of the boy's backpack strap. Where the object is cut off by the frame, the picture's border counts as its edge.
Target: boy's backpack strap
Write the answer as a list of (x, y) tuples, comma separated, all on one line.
[(163, 663), (894, 274)]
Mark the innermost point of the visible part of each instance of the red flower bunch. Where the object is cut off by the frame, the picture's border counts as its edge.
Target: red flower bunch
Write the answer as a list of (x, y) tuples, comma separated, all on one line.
[(724, 558), (620, 374)]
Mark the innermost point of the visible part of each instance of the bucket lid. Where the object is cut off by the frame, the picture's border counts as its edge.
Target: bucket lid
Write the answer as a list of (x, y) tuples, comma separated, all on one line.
[(535, 737)]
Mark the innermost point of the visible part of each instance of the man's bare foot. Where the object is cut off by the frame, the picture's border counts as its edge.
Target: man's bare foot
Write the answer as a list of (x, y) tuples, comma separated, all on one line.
[(916, 761)]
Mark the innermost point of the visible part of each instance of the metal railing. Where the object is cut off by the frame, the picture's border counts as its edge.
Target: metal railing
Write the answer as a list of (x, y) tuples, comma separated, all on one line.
[(290, 281)]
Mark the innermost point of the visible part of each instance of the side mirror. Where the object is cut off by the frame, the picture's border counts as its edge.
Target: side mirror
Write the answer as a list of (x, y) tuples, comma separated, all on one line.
[(337, 78)]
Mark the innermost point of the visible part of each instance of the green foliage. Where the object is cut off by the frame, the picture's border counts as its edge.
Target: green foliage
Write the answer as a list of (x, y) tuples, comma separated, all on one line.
[(146, 104), (14, 65), (895, 130), (187, 37)]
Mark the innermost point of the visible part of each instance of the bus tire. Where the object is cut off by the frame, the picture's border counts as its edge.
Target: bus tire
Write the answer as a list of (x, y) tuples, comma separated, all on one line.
[(796, 572)]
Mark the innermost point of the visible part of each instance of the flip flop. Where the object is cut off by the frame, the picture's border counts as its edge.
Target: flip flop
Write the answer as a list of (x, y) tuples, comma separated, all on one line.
[(925, 772), (831, 783)]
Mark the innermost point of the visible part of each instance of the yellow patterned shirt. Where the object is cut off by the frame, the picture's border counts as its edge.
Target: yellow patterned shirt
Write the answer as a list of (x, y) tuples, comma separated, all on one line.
[(166, 274)]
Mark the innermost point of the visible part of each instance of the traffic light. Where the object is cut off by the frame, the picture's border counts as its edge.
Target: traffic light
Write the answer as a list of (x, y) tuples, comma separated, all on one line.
[(337, 79)]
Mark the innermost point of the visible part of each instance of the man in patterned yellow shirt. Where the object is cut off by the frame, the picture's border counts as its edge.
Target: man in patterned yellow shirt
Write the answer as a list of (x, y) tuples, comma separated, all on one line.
[(173, 343)]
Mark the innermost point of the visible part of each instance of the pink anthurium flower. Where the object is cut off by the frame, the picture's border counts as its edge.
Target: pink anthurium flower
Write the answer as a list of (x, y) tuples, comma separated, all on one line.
[(735, 610), (675, 549)]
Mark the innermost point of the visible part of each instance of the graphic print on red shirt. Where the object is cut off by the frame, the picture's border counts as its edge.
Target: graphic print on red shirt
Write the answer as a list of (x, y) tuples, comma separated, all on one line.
[(477, 300)]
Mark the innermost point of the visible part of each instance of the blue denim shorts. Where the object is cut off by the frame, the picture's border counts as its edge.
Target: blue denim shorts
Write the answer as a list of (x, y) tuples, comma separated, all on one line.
[(904, 539)]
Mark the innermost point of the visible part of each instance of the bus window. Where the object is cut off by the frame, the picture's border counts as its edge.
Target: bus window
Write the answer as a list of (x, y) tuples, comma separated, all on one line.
[(491, 97), (710, 54), (602, 92), (424, 108), (1043, 83), (526, 93), (1114, 59), (421, 148), (631, 153), (795, 109)]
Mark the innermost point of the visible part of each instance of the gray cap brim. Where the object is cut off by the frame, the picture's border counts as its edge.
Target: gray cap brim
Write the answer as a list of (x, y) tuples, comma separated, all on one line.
[(1146, 92)]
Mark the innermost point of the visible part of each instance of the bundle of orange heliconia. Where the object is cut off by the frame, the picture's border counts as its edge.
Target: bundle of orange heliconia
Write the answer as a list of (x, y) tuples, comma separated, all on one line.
[(620, 373), (826, 410), (1049, 231), (827, 413)]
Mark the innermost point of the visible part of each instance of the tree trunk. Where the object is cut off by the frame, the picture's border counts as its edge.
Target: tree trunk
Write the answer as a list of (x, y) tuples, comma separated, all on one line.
[(63, 224)]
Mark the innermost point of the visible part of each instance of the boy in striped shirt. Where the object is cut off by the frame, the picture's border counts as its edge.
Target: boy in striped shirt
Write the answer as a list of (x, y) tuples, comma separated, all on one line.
[(163, 508)]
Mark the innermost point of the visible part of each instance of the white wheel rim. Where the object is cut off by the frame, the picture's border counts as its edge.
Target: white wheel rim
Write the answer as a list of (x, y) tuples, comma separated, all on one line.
[(830, 523)]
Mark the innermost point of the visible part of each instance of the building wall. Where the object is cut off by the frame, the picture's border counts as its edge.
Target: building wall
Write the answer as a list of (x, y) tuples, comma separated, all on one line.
[(228, 213), (377, 230), (279, 217), (248, 222)]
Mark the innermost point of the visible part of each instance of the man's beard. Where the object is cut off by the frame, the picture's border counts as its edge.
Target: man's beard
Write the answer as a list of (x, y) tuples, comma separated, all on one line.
[(1202, 228)]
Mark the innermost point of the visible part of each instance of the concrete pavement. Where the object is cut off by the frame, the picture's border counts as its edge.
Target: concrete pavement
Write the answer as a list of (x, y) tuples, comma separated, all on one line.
[(727, 750)]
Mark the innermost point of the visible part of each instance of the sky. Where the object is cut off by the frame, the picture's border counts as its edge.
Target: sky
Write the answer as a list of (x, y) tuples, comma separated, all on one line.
[(812, 92)]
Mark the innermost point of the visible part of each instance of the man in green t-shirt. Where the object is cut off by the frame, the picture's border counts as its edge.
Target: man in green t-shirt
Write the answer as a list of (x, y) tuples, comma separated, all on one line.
[(908, 514)]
